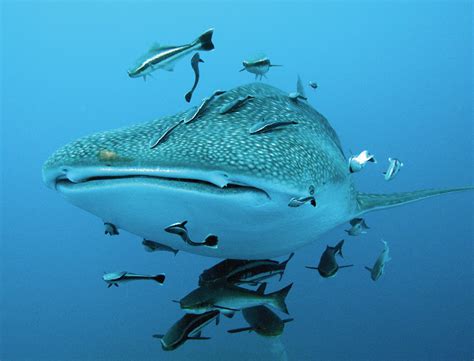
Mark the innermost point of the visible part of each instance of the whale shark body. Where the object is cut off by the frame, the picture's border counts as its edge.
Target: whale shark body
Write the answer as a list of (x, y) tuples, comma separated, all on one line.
[(220, 178)]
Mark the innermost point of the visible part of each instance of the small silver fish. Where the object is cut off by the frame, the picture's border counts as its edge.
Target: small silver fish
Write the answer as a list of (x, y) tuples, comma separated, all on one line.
[(111, 229), (235, 104), (114, 278), (356, 163), (378, 268), (179, 229), (297, 202), (164, 136), (393, 168), (202, 108), (258, 66), (152, 246), (164, 57), (358, 227), (269, 125)]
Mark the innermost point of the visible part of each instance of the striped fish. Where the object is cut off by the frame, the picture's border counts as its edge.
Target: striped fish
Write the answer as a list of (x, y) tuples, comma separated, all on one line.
[(164, 57)]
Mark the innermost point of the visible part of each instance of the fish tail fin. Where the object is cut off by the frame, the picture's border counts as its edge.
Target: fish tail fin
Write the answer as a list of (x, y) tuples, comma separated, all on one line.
[(284, 263), (205, 40), (188, 96), (160, 278), (370, 202), (278, 298), (338, 248), (211, 241)]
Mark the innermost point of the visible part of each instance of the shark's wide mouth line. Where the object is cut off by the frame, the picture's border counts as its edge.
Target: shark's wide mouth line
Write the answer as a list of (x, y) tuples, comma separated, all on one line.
[(182, 181)]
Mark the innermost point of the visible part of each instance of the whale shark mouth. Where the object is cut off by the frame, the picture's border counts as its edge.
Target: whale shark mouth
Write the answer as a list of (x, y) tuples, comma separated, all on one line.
[(203, 181)]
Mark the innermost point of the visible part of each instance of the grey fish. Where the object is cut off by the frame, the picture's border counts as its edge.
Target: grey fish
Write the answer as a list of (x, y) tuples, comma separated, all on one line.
[(114, 278), (313, 84), (111, 229), (263, 321), (230, 299), (152, 246), (220, 178), (393, 168), (195, 60), (259, 66), (179, 229), (203, 107), (357, 162), (235, 104), (358, 227), (328, 266), (243, 272), (164, 57), (164, 136), (188, 327), (268, 125), (378, 268)]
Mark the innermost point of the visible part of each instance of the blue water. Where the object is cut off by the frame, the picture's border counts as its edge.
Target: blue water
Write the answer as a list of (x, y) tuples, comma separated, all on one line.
[(394, 77)]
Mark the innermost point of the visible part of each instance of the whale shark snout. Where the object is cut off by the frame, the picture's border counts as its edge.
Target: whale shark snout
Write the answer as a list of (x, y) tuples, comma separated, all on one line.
[(219, 178)]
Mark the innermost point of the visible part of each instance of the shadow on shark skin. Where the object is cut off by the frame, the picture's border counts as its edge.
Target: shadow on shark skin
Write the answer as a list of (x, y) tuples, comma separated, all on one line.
[(219, 178)]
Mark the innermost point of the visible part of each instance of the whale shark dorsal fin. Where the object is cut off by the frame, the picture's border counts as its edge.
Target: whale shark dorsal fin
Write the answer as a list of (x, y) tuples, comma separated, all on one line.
[(368, 202)]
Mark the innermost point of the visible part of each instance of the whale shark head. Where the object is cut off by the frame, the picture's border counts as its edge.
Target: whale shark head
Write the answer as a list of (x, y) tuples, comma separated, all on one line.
[(218, 177)]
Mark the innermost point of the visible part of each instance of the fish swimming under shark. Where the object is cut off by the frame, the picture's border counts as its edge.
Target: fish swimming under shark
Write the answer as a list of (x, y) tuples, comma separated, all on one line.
[(218, 177)]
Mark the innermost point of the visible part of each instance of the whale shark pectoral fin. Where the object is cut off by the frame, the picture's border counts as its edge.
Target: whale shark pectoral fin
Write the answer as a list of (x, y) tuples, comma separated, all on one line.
[(370, 202)]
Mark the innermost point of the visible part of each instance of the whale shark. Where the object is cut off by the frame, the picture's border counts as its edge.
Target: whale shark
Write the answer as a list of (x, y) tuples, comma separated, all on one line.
[(221, 179)]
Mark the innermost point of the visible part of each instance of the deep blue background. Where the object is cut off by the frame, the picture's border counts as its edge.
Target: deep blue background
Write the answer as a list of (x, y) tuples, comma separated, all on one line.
[(395, 78)]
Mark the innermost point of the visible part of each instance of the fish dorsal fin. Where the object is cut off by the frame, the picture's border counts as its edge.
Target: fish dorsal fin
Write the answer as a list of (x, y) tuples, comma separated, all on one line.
[(157, 47), (242, 329), (261, 288), (300, 87), (168, 66)]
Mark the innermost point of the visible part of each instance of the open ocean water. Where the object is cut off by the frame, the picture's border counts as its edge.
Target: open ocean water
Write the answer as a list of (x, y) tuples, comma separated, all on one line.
[(394, 77)]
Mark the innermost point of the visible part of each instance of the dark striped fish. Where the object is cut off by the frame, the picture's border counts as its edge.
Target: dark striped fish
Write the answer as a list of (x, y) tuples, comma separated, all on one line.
[(187, 328), (164, 57), (202, 108), (163, 136), (234, 105), (269, 125)]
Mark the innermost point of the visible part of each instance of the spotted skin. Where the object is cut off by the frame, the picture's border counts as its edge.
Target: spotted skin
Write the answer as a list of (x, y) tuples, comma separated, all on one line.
[(220, 178), (307, 154)]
